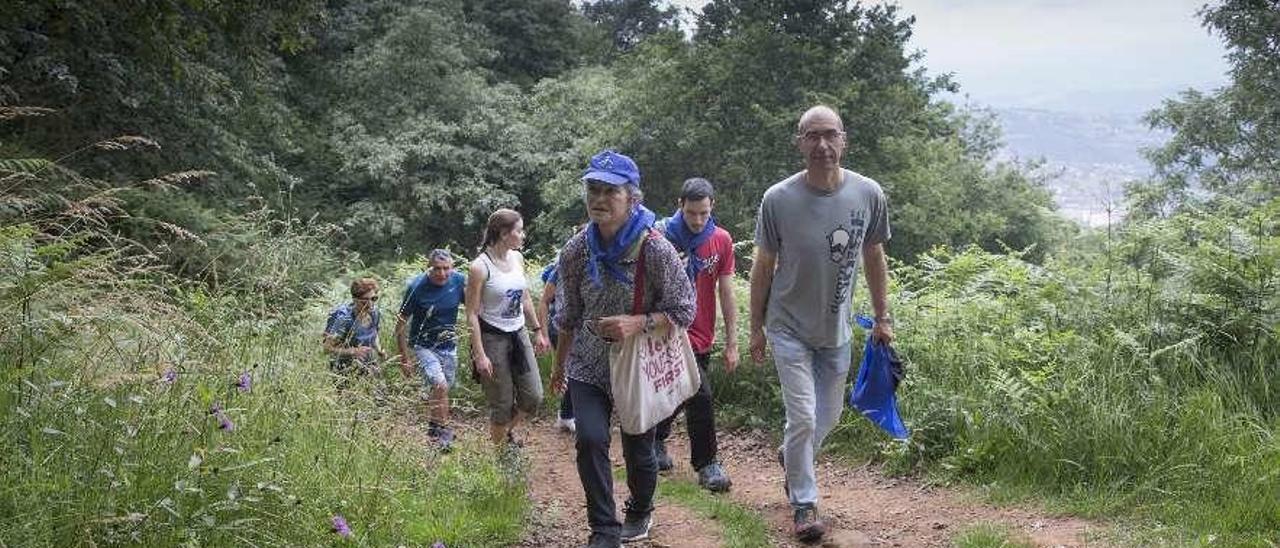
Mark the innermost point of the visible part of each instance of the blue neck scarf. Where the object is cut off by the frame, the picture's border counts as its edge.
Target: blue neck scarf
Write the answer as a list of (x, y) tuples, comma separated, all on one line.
[(611, 257), (686, 241)]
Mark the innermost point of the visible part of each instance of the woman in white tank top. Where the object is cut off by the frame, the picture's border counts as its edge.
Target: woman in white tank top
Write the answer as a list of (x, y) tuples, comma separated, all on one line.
[(498, 303)]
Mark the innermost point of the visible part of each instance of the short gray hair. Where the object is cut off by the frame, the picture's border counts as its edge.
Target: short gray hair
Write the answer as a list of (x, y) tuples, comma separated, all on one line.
[(633, 191), (438, 253)]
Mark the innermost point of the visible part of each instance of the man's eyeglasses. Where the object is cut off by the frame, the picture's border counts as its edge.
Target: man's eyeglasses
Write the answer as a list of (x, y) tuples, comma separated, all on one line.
[(830, 135), (441, 268)]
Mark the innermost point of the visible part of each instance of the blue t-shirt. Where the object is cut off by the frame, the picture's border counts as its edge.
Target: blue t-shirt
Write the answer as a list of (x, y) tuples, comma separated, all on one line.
[(550, 275), (342, 325), (433, 310)]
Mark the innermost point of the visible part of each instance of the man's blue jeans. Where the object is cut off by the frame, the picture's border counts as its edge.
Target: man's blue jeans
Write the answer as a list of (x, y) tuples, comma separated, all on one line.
[(813, 385)]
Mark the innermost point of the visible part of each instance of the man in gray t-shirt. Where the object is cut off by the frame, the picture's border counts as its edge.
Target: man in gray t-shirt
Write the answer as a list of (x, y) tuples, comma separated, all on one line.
[(811, 232)]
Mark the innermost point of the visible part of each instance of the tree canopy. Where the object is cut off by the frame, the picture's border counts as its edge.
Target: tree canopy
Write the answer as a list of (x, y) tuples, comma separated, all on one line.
[(407, 122)]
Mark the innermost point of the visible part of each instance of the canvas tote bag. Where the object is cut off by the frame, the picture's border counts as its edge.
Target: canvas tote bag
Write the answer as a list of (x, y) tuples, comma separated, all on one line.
[(651, 373)]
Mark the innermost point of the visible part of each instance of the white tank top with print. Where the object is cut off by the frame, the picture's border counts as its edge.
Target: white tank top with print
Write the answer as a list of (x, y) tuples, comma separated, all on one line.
[(503, 295)]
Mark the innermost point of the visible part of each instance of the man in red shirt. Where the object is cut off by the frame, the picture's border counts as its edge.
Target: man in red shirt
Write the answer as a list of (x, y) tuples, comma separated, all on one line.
[(709, 252)]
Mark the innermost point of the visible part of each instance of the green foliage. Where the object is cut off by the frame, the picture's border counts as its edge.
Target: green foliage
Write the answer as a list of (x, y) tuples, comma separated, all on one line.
[(120, 420), (533, 39), (628, 22), (725, 107), (1226, 142), (742, 526), (990, 536)]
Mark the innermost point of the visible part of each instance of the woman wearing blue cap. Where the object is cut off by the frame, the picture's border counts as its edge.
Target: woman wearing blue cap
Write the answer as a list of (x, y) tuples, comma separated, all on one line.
[(597, 272)]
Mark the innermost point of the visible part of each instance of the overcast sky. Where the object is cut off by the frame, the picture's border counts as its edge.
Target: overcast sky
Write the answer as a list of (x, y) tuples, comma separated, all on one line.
[(1066, 54)]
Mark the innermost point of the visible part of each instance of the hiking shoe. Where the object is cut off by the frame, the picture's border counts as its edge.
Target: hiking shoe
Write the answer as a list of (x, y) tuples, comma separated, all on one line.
[(601, 540), (567, 425), (807, 526), (636, 527), (660, 454), (444, 440), (712, 478), (512, 441)]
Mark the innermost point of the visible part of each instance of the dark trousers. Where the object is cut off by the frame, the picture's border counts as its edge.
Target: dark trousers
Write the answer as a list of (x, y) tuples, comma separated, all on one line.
[(700, 418), (566, 405), (593, 406)]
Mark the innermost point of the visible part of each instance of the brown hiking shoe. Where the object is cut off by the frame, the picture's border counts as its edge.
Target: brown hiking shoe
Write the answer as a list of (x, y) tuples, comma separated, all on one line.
[(807, 526)]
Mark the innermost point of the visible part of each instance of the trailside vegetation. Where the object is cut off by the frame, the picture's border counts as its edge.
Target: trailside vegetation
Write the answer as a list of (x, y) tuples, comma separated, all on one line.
[(186, 186)]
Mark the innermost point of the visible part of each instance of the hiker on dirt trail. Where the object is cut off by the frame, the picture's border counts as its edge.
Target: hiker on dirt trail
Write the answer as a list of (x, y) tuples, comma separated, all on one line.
[(708, 252), (351, 333), (498, 303), (426, 333), (598, 271), (811, 230), (548, 305)]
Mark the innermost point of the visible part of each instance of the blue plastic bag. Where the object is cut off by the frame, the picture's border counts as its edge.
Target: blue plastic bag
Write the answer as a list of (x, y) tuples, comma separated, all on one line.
[(873, 392)]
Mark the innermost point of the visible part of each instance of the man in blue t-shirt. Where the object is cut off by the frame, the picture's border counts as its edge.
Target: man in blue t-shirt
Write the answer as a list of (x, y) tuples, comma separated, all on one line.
[(427, 321)]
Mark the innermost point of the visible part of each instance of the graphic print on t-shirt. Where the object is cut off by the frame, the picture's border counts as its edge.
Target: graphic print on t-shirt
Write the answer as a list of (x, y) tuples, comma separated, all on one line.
[(512, 307), (709, 263), (844, 245)]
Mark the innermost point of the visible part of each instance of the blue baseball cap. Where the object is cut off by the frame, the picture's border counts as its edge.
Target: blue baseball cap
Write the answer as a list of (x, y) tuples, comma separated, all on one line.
[(613, 168)]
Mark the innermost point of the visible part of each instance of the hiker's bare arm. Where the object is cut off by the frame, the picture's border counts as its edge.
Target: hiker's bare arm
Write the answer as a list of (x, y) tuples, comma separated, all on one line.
[(761, 282), (476, 275), (544, 311), (563, 342), (402, 343), (331, 346), (729, 310), (876, 267)]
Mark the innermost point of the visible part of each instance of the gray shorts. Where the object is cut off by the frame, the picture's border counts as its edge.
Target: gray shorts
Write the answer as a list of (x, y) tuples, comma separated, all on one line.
[(439, 367), (507, 392)]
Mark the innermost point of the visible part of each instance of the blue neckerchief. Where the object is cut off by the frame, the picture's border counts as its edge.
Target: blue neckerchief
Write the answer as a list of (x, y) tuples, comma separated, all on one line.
[(686, 241), (639, 222)]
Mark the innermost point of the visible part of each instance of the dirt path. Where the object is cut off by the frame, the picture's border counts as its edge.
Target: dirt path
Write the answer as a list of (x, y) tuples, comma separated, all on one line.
[(560, 517), (866, 508)]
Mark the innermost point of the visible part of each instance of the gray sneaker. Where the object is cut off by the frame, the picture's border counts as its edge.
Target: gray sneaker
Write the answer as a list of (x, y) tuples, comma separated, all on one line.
[(445, 440), (636, 527), (807, 526), (712, 478)]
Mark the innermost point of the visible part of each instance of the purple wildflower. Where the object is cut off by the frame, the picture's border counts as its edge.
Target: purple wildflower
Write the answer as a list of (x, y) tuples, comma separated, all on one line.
[(224, 422), (438, 544), (340, 527), (169, 376), (245, 382)]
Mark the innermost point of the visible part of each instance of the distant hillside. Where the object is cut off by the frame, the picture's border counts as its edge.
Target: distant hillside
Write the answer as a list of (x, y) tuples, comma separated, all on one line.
[(1090, 156)]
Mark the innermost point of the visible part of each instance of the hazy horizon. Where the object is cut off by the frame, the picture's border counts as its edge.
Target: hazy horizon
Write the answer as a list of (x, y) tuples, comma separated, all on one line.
[(1084, 56)]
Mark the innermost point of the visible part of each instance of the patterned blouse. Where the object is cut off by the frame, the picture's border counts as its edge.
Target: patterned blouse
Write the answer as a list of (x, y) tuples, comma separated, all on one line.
[(667, 289)]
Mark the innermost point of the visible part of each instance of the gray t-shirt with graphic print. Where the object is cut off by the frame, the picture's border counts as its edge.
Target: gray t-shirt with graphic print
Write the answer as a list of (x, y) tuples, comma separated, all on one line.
[(818, 239)]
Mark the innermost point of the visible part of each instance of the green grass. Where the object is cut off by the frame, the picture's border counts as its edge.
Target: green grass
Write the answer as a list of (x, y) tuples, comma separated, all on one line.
[(739, 525), (1147, 400), (95, 448), (990, 536)]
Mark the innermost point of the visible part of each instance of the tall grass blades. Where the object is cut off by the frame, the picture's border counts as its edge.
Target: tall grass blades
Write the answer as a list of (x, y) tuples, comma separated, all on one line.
[(139, 407)]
